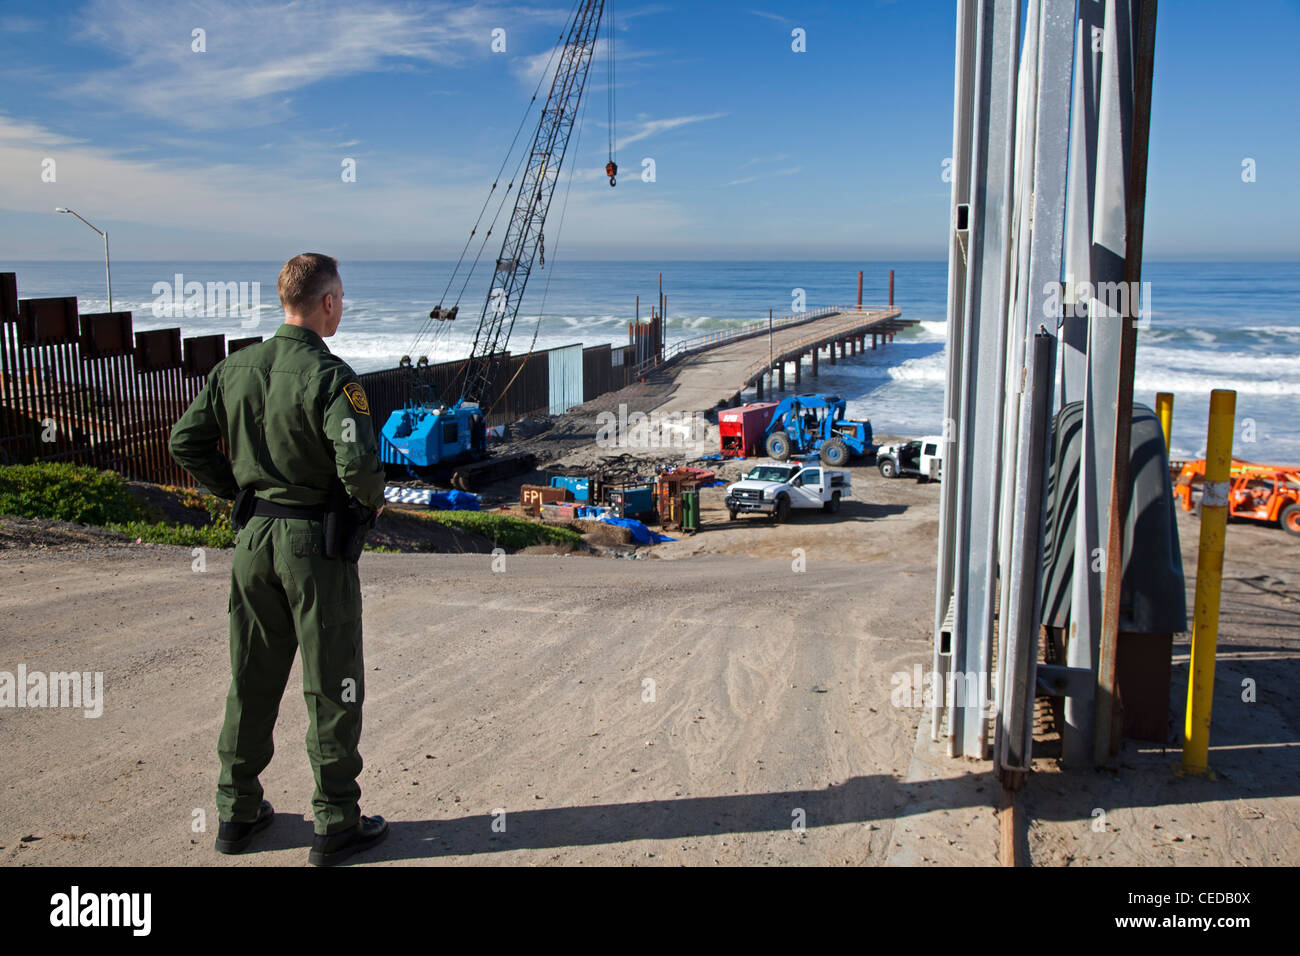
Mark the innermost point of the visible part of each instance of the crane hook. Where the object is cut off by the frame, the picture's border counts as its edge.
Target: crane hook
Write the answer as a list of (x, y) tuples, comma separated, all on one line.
[(611, 170)]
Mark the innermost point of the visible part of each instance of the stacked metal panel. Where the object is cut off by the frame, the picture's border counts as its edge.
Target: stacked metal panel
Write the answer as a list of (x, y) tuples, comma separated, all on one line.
[(1042, 144)]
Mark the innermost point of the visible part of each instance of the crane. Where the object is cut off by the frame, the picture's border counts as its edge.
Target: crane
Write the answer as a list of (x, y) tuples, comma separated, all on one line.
[(427, 438)]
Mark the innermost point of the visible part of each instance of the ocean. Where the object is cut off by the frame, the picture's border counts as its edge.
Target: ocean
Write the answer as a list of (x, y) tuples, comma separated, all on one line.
[(1212, 325)]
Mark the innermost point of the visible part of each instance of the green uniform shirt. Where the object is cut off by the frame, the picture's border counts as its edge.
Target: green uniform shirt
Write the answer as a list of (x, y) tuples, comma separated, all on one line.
[(292, 415)]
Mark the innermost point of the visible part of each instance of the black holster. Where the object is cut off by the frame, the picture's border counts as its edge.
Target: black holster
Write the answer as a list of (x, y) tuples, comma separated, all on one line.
[(242, 509), (347, 522)]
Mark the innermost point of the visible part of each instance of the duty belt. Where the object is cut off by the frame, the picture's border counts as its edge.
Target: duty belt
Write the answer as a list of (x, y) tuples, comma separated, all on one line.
[(269, 509)]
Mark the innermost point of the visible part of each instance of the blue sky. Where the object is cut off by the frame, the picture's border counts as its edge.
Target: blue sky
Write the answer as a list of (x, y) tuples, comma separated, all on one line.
[(759, 152)]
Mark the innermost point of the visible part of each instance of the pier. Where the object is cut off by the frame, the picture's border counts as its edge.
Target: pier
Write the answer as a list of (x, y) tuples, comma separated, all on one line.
[(715, 374)]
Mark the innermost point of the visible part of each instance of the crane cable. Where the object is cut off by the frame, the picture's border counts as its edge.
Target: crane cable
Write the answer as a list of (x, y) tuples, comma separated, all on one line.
[(611, 167), (496, 181), (559, 230)]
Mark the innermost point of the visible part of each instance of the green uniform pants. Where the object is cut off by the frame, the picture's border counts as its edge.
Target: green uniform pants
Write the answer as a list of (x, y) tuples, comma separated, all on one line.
[(285, 595)]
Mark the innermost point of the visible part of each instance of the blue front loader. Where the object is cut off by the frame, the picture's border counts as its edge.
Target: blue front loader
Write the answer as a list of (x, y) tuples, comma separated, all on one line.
[(815, 424)]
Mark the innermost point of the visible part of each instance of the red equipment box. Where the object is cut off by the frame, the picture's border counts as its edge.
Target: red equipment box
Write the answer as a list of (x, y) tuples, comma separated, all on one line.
[(741, 429)]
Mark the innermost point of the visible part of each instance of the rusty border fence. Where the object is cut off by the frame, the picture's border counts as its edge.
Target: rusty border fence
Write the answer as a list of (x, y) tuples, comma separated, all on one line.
[(86, 389)]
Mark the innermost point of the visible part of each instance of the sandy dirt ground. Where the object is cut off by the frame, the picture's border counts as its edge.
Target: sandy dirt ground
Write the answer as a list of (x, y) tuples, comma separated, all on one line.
[(726, 698), (1248, 811), (766, 736)]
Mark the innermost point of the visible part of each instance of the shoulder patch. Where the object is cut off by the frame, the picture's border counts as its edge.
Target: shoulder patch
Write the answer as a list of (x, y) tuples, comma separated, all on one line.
[(357, 397)]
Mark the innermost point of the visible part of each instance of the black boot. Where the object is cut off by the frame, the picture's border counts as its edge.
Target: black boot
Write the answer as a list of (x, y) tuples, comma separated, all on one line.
[(326, 850), (234, 837)]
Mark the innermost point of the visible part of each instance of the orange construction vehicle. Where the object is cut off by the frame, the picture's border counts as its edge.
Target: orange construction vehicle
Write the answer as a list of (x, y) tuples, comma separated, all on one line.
[(1261, 492)]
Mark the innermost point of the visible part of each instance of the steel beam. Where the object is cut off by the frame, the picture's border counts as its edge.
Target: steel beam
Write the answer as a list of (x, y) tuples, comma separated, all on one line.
[(959, 229), (1092, 562), (979, 436), (1021, 611), (1106, 736)]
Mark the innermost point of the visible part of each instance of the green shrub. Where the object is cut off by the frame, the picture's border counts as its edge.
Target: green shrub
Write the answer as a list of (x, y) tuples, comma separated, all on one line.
[(218, 509), (211, 536), (65, 492), (503, 530)]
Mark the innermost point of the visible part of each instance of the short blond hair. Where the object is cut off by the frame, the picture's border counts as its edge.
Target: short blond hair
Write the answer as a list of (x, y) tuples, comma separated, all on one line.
[(305, 278)]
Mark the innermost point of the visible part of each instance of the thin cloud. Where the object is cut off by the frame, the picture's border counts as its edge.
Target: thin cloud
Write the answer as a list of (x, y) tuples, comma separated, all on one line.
[(770, 16), (258, 54), (764, 159), (650, 128), (196, 209), (529, 69), (753, 179)]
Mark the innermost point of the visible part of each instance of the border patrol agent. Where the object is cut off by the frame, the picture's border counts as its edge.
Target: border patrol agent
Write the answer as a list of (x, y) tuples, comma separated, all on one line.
[(304, 471)]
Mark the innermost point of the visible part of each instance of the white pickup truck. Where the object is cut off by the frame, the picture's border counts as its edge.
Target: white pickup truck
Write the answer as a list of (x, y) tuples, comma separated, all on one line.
[(775, 489), (922, 457)]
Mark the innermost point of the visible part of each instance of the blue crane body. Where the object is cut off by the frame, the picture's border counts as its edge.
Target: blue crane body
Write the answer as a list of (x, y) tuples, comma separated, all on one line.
[(425, 435), (815, 424)]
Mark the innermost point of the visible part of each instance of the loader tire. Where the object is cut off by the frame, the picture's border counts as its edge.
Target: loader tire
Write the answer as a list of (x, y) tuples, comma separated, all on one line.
[(835, 453), (778, 446)]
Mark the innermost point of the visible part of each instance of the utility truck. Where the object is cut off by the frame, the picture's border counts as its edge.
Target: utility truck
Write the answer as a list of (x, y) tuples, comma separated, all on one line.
[(777, 488), (922, 457)]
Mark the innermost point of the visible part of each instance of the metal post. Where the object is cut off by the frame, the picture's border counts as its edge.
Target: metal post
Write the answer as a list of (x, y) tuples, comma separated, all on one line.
[(1019, 664), (1165, 411), (1101, 384), (1082, 189), (108, 274), (1107, 734), (663, 311), (979, 423), (963, 112), (1041, 230), (1209, 580)]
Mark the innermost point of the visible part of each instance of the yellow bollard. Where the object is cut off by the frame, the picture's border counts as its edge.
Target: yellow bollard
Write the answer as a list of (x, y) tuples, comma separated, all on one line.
[(1209, 579), (1165, 412)]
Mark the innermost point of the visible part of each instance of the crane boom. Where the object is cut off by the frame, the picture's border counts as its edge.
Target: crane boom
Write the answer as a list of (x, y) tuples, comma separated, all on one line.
[(524, 231)]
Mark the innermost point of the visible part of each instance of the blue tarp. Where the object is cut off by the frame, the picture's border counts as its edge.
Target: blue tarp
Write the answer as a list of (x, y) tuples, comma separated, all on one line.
[(640, 533), (453, 501)]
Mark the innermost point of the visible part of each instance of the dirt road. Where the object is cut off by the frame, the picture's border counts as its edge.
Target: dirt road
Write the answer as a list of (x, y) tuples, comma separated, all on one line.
[(526, 691), (696, 706)]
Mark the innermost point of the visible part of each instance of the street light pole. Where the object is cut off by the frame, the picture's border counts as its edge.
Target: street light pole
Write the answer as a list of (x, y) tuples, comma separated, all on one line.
[(108, 275)]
